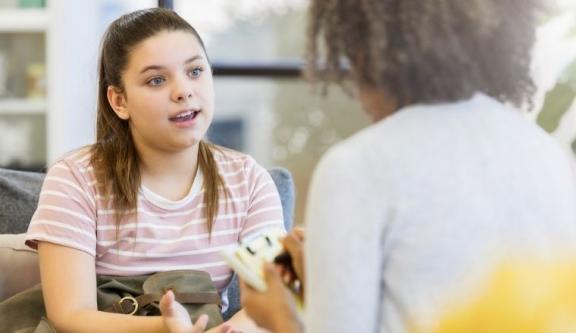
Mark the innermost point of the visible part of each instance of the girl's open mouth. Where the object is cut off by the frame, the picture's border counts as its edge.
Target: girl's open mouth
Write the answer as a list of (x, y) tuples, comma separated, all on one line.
[(185, 116)]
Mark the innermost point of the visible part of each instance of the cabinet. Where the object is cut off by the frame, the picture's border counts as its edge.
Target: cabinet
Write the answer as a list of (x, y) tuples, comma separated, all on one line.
[(23, 90), (47, 98)]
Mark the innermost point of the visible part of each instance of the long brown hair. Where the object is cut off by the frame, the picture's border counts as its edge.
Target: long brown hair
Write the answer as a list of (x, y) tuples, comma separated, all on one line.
[(114, 156), (426, 51)]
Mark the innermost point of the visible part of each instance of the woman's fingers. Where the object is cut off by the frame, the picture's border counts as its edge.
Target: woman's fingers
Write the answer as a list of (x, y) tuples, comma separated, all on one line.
[(298, 232), (272, 307), (294, 243)]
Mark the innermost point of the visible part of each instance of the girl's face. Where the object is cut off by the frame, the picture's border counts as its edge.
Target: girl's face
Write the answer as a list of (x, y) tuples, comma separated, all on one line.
[(168, 95)]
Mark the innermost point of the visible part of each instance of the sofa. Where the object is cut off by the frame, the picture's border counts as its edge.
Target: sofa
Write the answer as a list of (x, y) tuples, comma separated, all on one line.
[(19, 191)]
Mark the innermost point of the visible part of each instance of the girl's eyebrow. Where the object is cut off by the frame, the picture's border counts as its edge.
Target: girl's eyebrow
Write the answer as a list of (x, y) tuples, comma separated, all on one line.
[(158, 67)]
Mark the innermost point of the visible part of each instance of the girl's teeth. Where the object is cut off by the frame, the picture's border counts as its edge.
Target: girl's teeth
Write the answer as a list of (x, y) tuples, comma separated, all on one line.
[(184, 114)]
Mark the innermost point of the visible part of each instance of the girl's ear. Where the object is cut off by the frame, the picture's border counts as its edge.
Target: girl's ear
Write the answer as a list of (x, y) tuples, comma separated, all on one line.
[(117, 101)]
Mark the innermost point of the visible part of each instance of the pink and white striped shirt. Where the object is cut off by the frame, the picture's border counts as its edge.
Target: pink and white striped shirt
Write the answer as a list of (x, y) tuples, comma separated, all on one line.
[(163, 235)]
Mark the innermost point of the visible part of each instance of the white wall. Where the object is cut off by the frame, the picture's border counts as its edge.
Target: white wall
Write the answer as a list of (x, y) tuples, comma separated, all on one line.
[(74, 35), (73, 39)]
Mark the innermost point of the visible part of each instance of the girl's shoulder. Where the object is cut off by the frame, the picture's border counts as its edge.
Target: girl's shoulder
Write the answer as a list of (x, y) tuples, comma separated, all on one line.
[(232, 163), (73, 170), (78, 159), (227, 158)]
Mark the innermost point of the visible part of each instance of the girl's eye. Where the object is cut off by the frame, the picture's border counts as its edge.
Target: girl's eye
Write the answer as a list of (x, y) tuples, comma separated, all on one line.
[(194, 73), (155, 81)]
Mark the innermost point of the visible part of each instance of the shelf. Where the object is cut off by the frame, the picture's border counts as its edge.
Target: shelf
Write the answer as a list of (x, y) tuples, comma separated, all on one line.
[(22, 106), (23, 20)]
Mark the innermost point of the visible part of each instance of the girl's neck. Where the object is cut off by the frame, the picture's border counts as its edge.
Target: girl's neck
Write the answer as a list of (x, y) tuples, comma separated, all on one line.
[(169, 174)]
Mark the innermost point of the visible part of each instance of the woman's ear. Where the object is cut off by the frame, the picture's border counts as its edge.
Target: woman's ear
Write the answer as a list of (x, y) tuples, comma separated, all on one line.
[(117, 101)]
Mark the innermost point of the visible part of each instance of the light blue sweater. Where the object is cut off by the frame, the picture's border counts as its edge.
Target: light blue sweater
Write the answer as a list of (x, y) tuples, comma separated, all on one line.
[(414, 211)]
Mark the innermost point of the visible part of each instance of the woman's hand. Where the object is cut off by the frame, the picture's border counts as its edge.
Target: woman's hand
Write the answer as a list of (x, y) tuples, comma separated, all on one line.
[(275, 309), (294, 244), (177, 319)]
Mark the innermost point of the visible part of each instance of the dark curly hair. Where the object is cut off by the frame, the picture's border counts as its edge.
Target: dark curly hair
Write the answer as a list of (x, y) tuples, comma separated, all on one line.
[(426, 51)]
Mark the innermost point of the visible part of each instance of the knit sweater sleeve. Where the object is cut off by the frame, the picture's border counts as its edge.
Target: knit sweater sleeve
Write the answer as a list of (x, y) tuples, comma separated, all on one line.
[(343, 246)]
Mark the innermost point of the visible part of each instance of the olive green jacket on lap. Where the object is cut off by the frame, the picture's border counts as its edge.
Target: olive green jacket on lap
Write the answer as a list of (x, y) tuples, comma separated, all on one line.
[(130, 295)]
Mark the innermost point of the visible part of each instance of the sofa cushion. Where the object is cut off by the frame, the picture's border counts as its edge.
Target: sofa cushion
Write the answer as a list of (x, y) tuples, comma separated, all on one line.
[(19, 263), (18, 197)]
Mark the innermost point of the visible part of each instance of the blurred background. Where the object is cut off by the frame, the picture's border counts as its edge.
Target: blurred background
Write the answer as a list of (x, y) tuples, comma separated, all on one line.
[(49, 51)]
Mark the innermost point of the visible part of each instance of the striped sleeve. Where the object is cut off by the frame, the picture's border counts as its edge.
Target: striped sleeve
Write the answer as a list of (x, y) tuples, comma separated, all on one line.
[(66, 211), (264, 210)]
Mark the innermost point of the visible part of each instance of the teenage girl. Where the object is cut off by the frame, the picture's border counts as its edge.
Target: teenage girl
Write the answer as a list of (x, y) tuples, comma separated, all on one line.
[(150, 195)]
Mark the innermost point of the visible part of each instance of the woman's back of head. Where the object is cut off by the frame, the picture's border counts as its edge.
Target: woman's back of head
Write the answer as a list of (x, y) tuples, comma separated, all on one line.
[(427, 51)]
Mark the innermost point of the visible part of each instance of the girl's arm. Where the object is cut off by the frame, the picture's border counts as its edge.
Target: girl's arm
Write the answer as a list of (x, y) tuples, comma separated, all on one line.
[(69, 288)]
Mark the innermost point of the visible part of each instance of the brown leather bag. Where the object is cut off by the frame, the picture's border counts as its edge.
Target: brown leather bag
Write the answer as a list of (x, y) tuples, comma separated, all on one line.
[(130, 295)]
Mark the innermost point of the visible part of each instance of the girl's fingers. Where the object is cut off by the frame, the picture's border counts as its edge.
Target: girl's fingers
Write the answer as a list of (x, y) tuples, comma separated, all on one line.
[(166, 303), (200, 324)]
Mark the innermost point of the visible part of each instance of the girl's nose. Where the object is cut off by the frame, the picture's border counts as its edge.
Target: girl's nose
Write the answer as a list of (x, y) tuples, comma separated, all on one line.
[(183, 89), (184, 96)]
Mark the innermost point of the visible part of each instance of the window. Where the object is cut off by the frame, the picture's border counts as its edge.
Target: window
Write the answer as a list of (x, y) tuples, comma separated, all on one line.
[(256, 48)]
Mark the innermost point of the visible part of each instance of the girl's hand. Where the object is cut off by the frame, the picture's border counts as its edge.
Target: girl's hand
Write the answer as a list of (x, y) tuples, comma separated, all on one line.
[(275, 309), (224, 328), (177, 319)]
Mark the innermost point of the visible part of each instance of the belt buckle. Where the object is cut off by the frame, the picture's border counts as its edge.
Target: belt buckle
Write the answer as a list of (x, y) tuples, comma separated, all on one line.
[(132, 300)]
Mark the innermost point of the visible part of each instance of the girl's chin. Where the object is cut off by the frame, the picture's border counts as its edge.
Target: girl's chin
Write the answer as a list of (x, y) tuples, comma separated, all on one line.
[(190, 144), (179, 146)]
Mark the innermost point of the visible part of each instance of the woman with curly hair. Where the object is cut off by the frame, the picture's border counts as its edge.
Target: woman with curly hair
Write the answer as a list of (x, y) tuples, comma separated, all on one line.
[(415, 209)]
